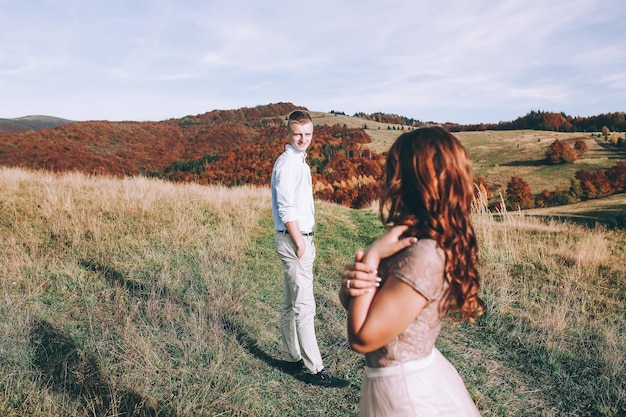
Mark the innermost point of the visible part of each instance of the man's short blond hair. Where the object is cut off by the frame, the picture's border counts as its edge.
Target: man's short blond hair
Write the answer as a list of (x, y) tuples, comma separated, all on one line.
[(299, 117)]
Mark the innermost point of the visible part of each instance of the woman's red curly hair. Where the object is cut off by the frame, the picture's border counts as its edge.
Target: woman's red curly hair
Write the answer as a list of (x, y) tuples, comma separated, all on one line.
[(429, 186)]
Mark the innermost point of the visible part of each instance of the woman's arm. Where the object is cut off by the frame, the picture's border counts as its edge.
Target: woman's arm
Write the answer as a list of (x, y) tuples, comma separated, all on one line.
[(360, 278), (357, 279), (374, 322), (376, 318)]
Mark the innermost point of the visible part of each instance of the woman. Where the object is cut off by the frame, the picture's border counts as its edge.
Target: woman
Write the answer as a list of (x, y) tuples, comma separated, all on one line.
[(427, 263)]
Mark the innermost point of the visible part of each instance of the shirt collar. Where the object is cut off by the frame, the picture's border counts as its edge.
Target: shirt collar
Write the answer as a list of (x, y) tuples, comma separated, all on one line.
[(291, 149)]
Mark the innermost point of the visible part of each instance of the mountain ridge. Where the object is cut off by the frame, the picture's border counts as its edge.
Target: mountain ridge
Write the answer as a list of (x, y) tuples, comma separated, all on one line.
[(535, 119), (236, 147), (31, 123)]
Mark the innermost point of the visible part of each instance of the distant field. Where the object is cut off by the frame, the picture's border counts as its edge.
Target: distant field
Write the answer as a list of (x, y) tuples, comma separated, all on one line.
[(592, 212), (382, 134), (499, 155)]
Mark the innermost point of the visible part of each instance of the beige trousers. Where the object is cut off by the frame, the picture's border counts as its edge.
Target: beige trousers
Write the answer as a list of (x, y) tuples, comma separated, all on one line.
[(297, 311)]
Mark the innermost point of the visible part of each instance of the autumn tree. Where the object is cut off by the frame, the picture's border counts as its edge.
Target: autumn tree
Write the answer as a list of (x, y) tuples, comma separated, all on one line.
[(585, 178), (556, 121), (543, 199), (603, 183), (560, 152), (593, 185), (581, 147), (483, 187), (617, 176), (518, 194)]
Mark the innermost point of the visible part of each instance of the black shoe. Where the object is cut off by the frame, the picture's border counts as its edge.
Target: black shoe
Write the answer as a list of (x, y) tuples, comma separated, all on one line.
[(324, 379), (293, 367)]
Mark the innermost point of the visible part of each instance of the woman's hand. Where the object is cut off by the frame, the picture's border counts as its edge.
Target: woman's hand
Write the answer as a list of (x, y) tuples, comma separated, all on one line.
[(387, 244), (357, 279), (361, 277), (375, 318)]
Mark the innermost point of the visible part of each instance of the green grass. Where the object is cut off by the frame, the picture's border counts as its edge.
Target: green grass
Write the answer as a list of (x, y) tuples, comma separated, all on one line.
[(499, 155), (140, 297), (603, 211)]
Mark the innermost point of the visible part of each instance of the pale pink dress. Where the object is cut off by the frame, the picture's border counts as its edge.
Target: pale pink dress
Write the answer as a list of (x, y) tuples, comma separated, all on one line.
[(409, 376)]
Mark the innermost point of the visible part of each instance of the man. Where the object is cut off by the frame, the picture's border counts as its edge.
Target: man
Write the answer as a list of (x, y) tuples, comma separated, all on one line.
[(294, 219)]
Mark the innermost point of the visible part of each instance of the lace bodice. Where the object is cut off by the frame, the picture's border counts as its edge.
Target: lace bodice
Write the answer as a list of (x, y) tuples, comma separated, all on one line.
[(421, 266)]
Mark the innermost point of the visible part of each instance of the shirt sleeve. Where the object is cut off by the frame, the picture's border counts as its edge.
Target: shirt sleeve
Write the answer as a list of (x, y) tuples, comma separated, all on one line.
[(421, 266), (286, 190)]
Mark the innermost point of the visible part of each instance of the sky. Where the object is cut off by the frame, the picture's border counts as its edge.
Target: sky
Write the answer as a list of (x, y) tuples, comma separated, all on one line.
[(459, 61)]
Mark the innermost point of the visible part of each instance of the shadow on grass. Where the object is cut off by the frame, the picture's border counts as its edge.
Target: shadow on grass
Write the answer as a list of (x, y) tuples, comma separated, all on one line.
[(68, 369), (249, 344), (609, 218), (611, 150), (570, 381), (114, 277)]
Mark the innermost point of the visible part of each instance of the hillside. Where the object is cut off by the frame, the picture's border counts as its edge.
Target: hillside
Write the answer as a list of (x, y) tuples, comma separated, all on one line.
[(499, 155), (382, 134), (137, 296), (609, 211), (30, 123), (229, 147), (235, 147)]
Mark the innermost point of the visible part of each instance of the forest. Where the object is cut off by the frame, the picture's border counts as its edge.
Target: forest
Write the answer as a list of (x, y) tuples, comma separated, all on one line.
[(228, 147), (560, 122)]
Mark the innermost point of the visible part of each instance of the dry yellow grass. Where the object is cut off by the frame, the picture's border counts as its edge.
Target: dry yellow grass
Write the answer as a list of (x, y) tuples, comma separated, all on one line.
[(382, 134), (137, 295), (102, 258), (558, 290)]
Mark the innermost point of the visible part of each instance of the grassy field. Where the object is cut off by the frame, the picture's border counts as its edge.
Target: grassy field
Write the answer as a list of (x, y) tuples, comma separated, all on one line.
[(139, 297), (382, 134), (603, 211), (499, 155)]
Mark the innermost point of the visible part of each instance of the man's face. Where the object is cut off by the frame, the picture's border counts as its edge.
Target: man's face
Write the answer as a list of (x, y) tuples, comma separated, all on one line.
[(300, 135)]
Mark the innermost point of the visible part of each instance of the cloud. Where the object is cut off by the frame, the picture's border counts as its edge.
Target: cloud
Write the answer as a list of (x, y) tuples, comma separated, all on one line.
[(448, 60)]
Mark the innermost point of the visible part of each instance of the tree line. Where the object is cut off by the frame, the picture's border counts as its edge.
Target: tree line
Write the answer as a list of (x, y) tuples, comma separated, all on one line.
[(551, 121)]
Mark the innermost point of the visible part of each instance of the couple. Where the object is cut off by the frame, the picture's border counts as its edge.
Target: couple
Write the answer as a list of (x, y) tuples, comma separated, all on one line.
[(397, 292)]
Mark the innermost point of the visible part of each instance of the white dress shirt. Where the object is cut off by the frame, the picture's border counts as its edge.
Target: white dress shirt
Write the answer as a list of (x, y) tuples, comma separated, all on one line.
[(292, 191)]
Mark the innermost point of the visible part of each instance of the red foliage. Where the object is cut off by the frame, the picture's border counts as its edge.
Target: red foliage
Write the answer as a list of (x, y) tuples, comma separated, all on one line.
[(560, 152), (603, 184), (617, 176), (483, 187), (543, 199), (581, 147), (556, 121), (594, 184), (368, 193), (229, 147), (122, 148), (518, 194)]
